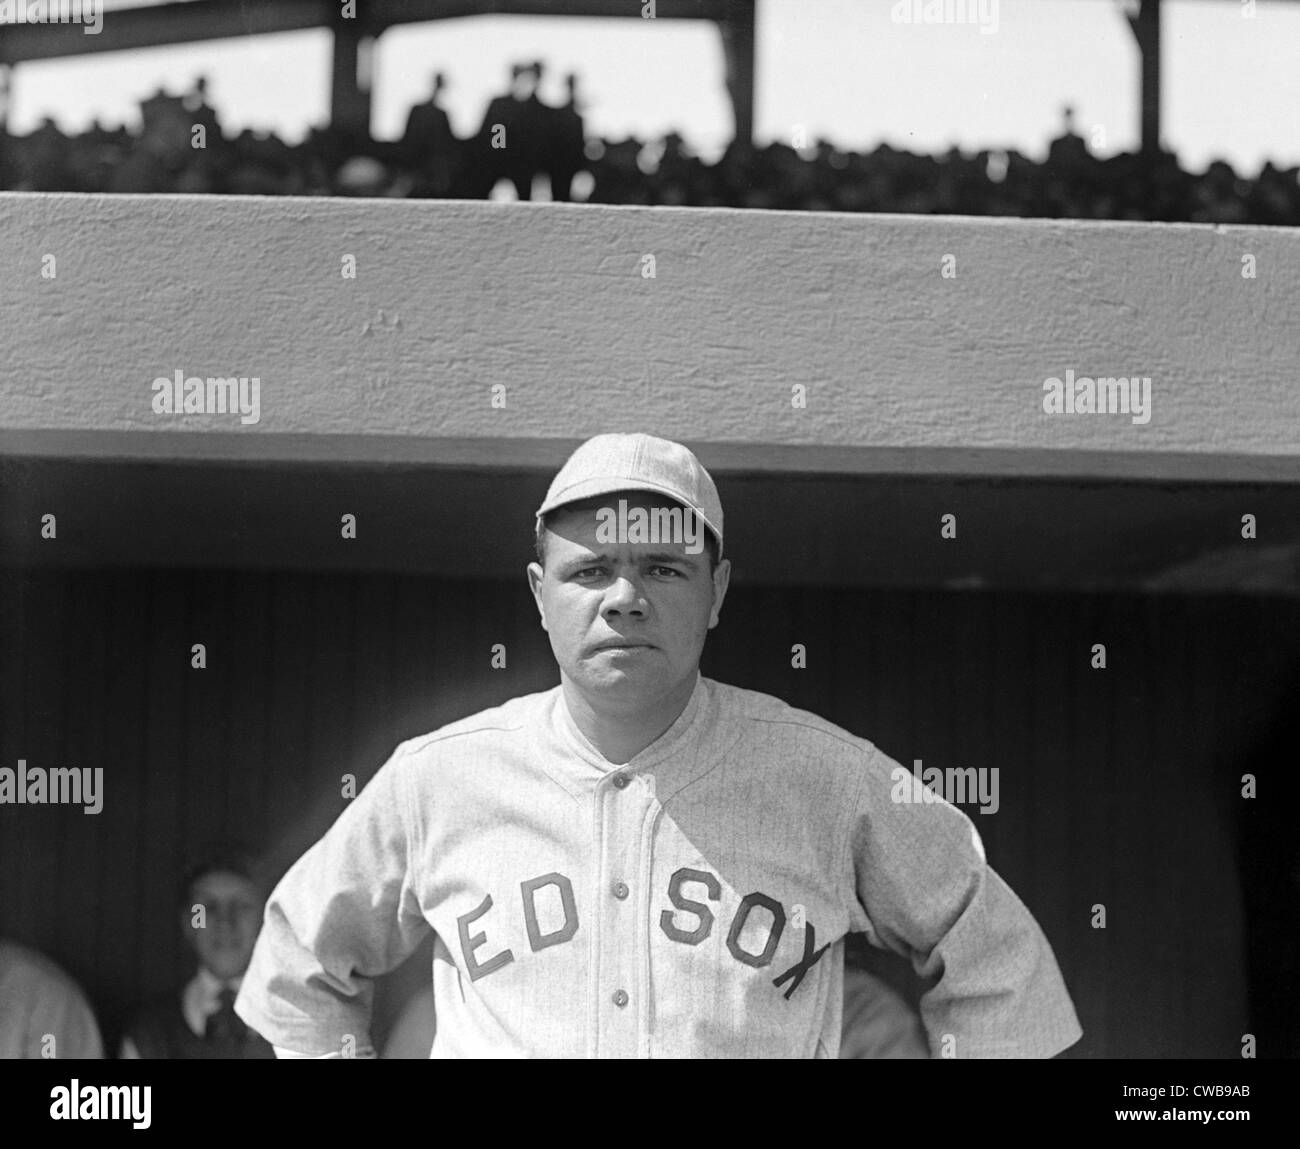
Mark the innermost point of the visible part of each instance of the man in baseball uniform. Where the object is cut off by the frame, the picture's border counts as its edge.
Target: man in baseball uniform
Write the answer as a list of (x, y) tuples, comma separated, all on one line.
[(643, 862)]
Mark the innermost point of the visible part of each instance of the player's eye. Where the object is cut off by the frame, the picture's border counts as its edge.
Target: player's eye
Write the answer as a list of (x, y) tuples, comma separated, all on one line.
[(673, 571), (588, 573)]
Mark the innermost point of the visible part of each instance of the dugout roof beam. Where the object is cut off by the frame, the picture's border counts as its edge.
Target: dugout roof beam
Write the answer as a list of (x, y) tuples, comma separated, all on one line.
[(126, 29)]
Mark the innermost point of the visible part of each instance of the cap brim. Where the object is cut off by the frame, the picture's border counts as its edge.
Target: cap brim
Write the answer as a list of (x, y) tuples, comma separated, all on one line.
[(591, 488)]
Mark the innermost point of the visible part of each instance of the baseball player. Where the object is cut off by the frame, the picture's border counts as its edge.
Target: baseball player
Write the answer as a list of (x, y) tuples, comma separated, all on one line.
[(643, 862)]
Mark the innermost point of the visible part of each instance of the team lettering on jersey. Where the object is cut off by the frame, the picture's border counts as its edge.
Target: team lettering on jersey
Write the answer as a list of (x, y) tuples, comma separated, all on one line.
[(689, 923)]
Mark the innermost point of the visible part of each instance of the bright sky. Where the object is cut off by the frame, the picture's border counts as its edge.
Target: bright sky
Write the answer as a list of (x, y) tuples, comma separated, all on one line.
[(835, 68)]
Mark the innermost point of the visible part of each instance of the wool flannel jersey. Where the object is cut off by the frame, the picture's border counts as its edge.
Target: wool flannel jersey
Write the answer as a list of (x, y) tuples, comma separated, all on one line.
[(692, 902)]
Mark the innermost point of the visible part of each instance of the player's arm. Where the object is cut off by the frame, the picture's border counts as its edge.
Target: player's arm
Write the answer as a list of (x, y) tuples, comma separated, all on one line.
[(925, 891), (345, 913)]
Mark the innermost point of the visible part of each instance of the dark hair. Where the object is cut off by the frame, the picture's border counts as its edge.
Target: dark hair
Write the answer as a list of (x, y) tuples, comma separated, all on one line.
[(225, 860), (539, 541)]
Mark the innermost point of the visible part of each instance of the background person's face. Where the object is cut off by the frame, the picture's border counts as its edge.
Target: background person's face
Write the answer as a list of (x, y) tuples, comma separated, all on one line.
[(234, 916), (627, 621)]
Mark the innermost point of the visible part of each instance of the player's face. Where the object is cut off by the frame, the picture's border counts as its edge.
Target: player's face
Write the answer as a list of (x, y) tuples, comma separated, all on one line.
[(232, 916), (627, 621)]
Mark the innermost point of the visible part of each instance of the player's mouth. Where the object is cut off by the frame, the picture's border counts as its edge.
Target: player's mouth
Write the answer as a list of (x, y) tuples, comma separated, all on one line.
[(623, 644)]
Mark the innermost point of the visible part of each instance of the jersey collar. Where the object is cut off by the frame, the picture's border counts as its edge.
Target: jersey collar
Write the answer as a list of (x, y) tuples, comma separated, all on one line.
[(686, 750)]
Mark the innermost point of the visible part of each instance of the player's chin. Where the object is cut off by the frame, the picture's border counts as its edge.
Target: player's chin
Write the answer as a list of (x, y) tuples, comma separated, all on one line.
[(627, 677), (615, 675)]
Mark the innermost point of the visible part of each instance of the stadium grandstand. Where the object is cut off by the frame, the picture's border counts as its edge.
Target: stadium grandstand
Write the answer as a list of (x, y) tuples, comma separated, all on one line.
[(430, 161)]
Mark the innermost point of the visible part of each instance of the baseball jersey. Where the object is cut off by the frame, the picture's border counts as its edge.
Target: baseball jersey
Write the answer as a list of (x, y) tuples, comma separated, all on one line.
[(692, 902)]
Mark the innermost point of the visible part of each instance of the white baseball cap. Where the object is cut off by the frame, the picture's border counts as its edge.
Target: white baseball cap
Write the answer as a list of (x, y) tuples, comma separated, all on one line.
[(608, 463)]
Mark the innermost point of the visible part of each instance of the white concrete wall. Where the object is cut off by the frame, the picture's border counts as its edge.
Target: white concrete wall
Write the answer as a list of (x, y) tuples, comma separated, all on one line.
[(906, 370)]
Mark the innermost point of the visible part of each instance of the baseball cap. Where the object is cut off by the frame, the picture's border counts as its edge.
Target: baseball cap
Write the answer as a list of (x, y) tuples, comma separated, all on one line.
[(637, 462)]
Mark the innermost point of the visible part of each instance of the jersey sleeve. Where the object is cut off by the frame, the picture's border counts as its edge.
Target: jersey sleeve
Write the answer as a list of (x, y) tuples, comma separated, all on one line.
[(346, 912), (924, 890)]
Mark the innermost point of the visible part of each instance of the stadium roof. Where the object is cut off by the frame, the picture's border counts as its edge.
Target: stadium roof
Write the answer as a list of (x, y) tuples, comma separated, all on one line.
[(192, 21)]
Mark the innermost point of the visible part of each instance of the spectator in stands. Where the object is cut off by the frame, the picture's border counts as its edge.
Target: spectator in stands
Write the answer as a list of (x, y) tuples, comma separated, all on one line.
[(679, 177), (502, 149), (428, 147), (43, 1013), (202, 113), (564, 154), (46, 155), (361, 176), (1069, 151), (619, 176), (161, 152), (220, 915), (95, 156), (537, 138), (1275, 198), (536, 133), (143, 170)]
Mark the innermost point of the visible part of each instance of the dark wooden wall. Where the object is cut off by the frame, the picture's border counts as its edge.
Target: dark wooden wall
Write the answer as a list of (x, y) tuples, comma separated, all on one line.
[(1119, 787)]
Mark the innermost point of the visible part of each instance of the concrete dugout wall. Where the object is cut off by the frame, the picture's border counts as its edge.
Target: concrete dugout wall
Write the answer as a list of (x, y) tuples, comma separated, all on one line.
[(906, 370)]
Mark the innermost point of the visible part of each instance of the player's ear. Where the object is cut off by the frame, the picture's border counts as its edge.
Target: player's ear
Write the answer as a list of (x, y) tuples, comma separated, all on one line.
[(535, 585), (721, 580)]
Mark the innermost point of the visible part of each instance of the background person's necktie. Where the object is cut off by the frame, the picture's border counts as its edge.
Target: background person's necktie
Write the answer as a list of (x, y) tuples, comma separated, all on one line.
[(225, 1024)]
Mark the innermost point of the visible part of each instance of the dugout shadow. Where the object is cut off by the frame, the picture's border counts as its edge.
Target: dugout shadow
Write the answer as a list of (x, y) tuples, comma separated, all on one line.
[(1120, 787)]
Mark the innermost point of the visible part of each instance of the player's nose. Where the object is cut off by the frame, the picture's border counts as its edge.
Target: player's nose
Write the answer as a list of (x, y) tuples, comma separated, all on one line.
[(624, 595)]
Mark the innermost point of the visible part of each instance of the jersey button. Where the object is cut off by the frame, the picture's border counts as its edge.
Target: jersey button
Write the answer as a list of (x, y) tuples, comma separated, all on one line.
[(621, 781), (619, 890), (620, 998)]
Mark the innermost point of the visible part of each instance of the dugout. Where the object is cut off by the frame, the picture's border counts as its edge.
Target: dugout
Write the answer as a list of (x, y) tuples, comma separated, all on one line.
[(922, 398)]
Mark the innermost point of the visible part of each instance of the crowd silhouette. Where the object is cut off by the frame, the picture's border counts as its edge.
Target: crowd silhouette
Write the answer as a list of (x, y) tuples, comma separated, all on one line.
[(525, 144)]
